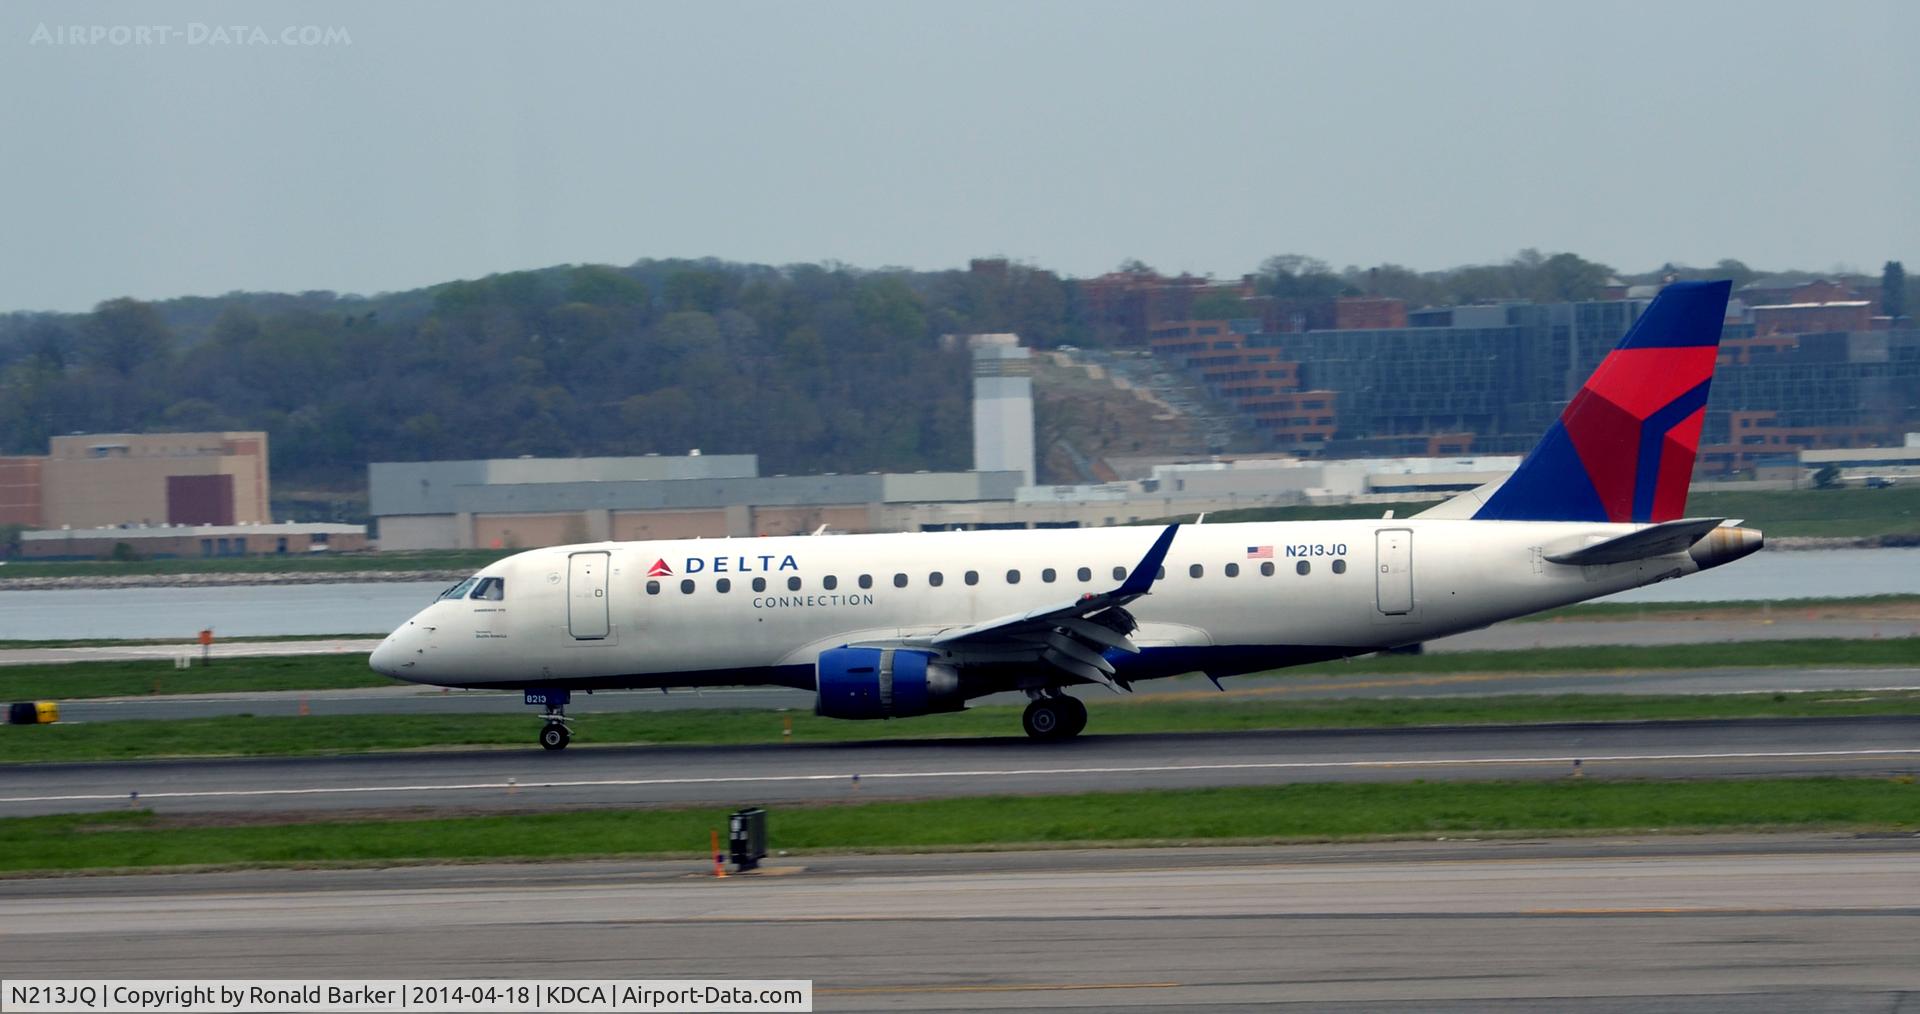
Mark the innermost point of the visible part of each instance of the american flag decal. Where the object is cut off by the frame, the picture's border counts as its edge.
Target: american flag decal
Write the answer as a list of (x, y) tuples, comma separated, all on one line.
[(1259, 552)]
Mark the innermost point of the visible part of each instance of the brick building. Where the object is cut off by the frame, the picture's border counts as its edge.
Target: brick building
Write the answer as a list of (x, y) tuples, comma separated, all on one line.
[(1812, 318), (1128, 303), (20, 491), (1261, 384), (1353, 313), (105, 479)]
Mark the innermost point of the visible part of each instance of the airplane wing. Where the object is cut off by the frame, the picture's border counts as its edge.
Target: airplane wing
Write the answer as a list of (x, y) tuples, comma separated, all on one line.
[(1072, 636)]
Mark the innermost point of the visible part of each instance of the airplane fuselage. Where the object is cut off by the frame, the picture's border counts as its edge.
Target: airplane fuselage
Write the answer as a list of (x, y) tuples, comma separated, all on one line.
[(1232, 598)]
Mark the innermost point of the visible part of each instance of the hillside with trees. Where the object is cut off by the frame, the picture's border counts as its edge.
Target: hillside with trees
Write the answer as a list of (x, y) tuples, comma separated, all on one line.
[(814, 368)]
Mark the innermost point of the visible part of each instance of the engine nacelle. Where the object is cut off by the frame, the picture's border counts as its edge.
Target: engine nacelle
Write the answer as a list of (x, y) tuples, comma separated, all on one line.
[(884, 683)]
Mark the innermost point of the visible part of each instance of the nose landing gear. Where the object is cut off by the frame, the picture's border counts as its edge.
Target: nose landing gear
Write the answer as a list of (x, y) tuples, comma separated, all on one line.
[(554, 734)]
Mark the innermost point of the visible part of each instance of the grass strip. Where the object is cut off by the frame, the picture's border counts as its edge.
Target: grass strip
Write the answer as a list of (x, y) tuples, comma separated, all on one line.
[(80, 680), (1259, 710), (1817, 652), (1267, 813), (1789, 608), (184, 645)]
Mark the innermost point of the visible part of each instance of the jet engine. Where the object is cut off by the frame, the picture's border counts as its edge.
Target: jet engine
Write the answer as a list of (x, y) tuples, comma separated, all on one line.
[(884, 683)]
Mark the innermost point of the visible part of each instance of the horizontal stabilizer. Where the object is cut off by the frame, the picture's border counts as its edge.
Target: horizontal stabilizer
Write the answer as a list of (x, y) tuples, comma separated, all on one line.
[(1658, 540)]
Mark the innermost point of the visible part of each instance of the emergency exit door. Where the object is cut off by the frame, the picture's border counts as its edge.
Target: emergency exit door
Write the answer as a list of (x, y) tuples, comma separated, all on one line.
[(1393, 572), (587, 617)]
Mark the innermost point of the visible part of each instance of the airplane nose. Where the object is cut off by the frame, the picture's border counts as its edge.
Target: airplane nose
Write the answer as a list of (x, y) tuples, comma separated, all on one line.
[(384, 658), (394, 656)]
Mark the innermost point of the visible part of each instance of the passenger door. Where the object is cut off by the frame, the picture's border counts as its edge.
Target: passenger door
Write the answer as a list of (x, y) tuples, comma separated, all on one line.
[(587, 607), (1393, 571)]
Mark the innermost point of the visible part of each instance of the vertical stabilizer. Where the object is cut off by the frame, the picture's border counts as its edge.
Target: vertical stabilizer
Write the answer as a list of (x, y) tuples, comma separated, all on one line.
[(1623, 449)]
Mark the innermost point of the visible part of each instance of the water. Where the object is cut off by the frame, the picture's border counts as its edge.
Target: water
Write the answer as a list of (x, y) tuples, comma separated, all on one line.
[(239, 611), (1814, 574), (230, 610)]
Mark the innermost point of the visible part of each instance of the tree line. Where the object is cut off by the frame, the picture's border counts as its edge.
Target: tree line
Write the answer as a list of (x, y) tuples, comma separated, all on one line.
[(816, 368)]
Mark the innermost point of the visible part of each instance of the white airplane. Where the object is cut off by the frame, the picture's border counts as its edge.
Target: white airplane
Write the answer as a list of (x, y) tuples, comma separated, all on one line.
[(893, 626)]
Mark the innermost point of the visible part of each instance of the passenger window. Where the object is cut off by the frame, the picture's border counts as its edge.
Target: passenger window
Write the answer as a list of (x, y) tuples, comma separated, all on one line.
[(653, 587), (1085, 574), (866, 580), (1302, 567), (830, 582), (1048, 575), (899, 580), (1233, 570), (759, 584), (686, 587), (491, 589), (1119, 573), (973, 577), (1266, 569), (1160, 574), (936, 579), (793, 584), (1196, 570), (1013, 577), (723, 585), (1339, 566)]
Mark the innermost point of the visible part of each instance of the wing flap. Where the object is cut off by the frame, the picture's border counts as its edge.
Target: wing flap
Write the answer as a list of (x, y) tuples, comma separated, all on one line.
[(1059, 641), (1097, 633)]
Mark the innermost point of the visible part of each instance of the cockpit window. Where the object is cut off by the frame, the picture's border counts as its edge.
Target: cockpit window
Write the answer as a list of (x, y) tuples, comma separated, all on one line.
[(490, 589), (460, 590)]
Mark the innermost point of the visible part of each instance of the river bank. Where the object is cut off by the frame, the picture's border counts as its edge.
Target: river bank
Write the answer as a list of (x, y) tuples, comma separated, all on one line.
[(69, 582)]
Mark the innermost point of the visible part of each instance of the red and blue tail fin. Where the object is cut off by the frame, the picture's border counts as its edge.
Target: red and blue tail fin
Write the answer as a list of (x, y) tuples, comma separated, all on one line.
[(1623, 449)]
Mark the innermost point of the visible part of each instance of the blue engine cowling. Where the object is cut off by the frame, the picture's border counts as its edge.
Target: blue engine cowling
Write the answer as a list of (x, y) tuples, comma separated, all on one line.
[(884, 683)]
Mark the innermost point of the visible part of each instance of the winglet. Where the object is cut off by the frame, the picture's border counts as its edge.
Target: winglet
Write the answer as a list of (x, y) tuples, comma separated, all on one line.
[(1141, 580)]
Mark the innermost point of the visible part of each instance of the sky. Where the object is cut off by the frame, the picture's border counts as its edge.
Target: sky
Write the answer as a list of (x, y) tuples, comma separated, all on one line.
[(378, 146)]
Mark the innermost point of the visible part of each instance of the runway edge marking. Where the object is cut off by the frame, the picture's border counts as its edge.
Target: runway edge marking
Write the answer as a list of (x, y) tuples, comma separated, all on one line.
[(973, 773)]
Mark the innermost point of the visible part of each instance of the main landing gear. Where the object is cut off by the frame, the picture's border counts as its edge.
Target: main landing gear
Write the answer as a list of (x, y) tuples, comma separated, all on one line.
[(554, 734), (1052, 715)]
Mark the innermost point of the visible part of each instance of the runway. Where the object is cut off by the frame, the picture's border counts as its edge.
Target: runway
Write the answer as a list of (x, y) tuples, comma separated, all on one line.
[(1613, 925), (635, 776), (403, 699)]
